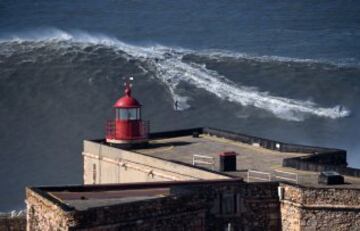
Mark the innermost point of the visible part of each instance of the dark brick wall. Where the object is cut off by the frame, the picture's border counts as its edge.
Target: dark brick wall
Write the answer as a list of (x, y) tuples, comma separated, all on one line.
[(244, 206), (210, 206), (178, 222), (167, 213), (335, 160)]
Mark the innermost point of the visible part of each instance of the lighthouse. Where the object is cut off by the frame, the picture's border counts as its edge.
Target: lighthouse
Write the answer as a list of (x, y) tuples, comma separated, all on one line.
[(127, 127)]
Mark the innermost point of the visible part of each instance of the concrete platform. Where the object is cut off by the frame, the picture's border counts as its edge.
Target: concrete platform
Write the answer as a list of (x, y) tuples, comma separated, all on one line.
[(89, 199), (182, 149), (265, 164)]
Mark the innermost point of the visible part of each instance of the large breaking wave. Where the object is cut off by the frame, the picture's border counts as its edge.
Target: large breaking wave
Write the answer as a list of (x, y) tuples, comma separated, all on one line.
[(168, 65)]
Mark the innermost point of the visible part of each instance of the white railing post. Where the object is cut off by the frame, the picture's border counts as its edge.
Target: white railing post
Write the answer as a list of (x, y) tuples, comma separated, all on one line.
[(203, 160), (264, 176), (294, 177)]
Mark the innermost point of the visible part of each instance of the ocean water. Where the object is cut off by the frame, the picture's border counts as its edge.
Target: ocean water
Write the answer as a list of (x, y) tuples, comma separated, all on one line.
[(282, 69)]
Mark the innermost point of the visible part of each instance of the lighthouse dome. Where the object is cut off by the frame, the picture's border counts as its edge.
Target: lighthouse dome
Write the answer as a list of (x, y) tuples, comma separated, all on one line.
[(127, 101)]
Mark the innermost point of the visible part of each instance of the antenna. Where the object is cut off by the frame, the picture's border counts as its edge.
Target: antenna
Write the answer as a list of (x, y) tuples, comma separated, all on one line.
[(128, 81), (131, 78)]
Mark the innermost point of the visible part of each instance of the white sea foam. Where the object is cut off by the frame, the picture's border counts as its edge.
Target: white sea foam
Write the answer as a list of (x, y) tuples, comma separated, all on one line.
[(168, 66), (220, 54), (13, 213)]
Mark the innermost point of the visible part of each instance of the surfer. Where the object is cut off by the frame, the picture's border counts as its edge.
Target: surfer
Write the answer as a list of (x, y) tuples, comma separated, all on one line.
[(341, 108), (176, 105)]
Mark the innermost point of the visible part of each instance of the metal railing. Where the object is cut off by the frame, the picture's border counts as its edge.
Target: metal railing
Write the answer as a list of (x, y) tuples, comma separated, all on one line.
[(287, 176), (204, 160), (254, 175), (128, 131)]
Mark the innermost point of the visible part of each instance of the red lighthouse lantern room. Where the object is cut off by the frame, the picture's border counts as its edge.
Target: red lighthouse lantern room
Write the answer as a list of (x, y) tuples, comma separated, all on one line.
[(127, 128)]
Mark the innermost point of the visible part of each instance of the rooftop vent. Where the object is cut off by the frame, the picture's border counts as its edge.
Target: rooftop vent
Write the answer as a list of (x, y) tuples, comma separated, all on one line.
[(195, 135), (330, 178), (228, 161)]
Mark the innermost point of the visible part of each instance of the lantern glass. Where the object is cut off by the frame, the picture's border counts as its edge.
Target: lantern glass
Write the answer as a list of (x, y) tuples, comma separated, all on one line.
[(128, 114)]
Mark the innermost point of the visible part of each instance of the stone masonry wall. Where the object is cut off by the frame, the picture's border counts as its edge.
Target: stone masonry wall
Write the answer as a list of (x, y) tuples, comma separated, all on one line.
[(305, 208), (12, 223), (44, 215), (167, 213), (241, 205), (244, 206)]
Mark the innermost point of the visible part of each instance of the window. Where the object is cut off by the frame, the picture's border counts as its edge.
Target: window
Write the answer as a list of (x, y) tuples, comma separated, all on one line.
[(94, 173), (128, 114), (123, 114), (131, 114), (228, 203)]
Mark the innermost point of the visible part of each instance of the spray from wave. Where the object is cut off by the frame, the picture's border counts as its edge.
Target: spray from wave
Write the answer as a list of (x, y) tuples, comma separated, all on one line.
[(221, 54), (168, 66)]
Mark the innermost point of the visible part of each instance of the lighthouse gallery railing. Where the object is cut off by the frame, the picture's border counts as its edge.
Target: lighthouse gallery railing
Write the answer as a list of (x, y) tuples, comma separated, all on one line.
[(127, 132)]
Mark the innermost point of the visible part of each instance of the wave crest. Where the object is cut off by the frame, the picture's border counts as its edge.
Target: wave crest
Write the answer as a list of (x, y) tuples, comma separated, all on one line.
[(221, 54), (168, 66)]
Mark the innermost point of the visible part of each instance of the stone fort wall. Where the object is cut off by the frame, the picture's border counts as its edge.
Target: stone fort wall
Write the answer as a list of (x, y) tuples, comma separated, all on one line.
[(9, 222), (306, 208), (213, 206), (240, 205)]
